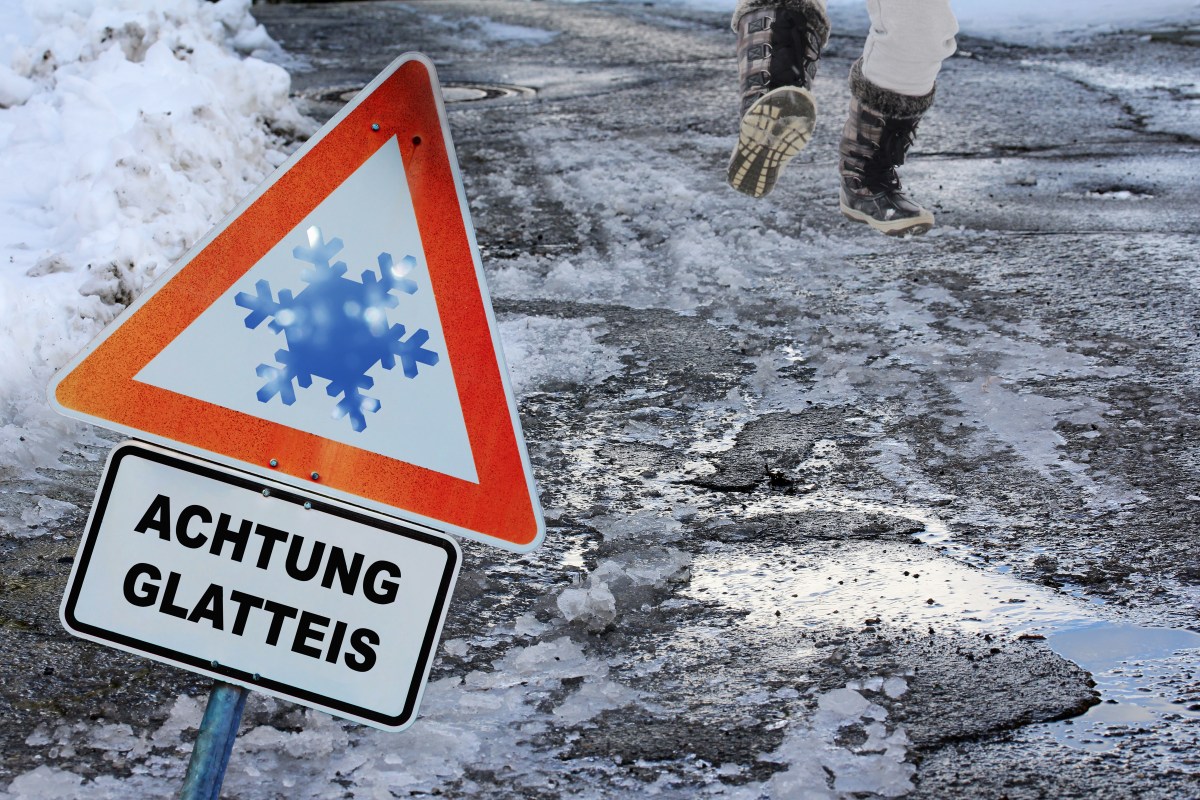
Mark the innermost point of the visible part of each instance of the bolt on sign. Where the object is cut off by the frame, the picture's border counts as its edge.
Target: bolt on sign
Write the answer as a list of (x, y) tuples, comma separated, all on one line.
[(334, 333), (255, 584)]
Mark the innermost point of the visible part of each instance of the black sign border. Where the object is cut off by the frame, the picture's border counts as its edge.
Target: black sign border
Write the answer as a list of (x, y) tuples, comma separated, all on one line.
[(133, 449)]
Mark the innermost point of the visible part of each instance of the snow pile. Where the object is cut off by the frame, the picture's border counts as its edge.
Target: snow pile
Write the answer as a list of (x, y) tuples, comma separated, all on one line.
[(594, 603), (466, 730), (30, 513), (129, 127), (640, 526), (47, 783), (160, 753)]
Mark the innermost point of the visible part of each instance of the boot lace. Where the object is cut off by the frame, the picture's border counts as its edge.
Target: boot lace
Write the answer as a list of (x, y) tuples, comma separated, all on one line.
[(897, 137), (799, 48)]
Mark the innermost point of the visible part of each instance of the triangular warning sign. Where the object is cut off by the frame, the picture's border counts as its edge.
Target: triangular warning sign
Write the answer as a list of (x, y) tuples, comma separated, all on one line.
[(334, 332)]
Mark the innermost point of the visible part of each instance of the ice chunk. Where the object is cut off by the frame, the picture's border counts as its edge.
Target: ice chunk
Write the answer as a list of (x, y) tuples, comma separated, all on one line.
[(844, 703), (45, 783), (594, 604), (895, 687)]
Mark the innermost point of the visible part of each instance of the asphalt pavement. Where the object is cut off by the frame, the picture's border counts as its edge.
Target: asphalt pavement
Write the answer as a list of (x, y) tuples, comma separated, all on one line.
[(821, 458)]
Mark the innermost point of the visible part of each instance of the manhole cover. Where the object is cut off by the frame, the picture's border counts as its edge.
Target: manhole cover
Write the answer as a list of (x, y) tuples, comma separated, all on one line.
[(463, 94), (474, 92), (452, 93)]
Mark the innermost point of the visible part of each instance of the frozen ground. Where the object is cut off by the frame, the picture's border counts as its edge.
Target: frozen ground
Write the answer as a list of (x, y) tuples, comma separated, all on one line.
[(831, 515)]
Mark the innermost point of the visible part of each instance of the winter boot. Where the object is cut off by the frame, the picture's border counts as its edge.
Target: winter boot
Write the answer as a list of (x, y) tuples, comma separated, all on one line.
[(878, 133), (779, 42)]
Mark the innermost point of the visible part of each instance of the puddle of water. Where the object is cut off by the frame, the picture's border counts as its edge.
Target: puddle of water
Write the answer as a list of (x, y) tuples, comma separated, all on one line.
[(902, 584), (1147, 677), (1108, 646), (573, 556), (1149, 674)]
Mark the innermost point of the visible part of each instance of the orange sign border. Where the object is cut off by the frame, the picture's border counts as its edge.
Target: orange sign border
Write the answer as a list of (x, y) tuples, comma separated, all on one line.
[(404, 101)]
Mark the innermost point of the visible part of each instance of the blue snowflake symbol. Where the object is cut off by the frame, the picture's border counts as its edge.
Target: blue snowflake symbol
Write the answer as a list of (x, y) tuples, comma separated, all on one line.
[(336, 329)]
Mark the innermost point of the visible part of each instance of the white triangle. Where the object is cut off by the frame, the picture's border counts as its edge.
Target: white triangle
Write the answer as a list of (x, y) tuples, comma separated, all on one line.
[(217, 358)]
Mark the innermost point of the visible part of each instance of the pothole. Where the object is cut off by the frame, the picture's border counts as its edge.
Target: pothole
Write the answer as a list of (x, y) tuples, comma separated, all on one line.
[(1148, 678), (1150, 689)]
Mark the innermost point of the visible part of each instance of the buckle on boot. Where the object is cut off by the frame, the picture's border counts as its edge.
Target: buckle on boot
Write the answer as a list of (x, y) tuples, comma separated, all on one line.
[(759, 80), (759, 24), (758, 52)]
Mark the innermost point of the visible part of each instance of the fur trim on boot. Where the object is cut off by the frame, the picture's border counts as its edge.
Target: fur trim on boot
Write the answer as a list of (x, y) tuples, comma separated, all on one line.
[(812, 10), (887, 103), (878, 133)]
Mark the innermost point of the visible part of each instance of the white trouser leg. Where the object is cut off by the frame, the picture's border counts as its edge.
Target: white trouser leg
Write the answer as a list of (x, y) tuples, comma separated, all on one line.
[(908, 42), (746, 5)]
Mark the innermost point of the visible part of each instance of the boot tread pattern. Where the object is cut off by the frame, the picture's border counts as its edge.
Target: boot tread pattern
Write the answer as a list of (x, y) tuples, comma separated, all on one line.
[(773, 130)]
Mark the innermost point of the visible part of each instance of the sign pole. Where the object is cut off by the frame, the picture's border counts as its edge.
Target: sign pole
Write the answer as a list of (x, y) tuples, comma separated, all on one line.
[(214, 743)]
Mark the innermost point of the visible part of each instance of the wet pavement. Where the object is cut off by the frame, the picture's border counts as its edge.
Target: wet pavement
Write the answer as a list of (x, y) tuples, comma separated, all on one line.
[(827, 511)]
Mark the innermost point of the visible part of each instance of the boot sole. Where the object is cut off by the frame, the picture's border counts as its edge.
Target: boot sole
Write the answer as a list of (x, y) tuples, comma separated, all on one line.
[(772, 132), (911, 226)]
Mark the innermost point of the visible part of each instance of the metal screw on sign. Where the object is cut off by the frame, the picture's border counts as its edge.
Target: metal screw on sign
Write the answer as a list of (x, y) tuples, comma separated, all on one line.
[(214, 743)]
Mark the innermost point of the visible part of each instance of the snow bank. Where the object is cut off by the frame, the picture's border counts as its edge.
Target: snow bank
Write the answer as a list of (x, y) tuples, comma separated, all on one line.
[(127, 128)]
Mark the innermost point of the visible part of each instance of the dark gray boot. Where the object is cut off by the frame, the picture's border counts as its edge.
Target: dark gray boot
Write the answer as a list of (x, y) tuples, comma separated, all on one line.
[(779, 43), (878, 133)]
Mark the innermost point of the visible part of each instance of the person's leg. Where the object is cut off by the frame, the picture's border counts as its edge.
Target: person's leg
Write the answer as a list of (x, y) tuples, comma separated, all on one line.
[(779, 42), (891, 87)]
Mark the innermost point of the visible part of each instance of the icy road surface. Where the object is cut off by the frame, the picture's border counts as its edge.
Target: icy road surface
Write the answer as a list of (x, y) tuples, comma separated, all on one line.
[(831, 515)]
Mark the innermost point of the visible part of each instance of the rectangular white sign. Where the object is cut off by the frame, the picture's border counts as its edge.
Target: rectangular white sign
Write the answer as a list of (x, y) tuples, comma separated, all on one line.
[(251, 582)]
